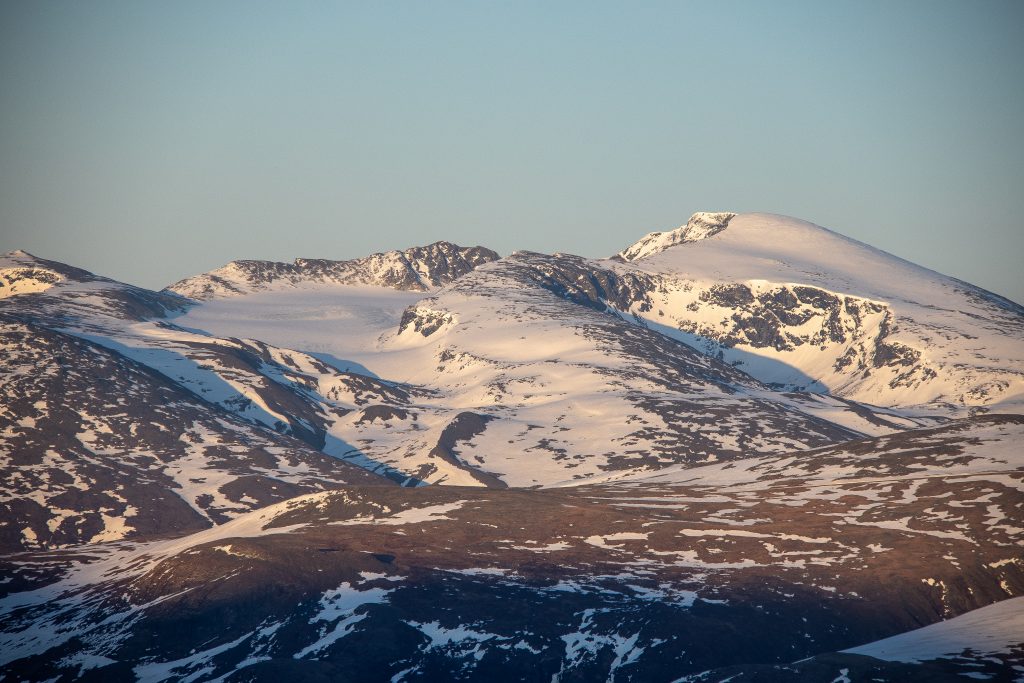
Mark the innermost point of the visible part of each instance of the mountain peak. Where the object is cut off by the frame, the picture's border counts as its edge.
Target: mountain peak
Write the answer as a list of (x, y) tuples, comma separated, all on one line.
[(24, 273), (23, 259), (702, 225)]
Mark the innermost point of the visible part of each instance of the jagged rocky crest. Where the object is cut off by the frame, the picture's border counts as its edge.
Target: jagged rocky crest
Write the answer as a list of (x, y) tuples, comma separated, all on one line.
[(417, 269), (701, 225)]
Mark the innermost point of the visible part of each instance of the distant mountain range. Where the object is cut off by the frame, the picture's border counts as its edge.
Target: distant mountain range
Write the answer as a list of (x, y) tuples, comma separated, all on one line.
[(734, 445)]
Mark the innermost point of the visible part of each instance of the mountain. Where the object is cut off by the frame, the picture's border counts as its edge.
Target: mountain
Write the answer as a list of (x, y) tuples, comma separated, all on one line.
[(116, 423), (441, 409), (418, 269), (742, 448), (799, 306), (528, 378), (23, 273)]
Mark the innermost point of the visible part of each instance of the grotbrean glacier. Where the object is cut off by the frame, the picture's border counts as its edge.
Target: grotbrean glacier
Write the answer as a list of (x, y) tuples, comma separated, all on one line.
[(747, 449)]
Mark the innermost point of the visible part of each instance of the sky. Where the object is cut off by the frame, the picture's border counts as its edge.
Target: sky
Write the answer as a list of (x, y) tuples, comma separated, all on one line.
[(150, 141)]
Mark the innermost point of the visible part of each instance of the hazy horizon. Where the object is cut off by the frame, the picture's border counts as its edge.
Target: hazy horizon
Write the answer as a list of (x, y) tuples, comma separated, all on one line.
[(149, 143)]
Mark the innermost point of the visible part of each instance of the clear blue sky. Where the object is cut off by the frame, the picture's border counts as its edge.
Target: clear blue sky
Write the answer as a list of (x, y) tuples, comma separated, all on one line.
[(153, 140)]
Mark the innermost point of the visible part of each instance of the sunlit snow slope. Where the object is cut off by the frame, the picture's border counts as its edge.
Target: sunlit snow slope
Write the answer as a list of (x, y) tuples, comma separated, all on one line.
[(798, 305), (522, 382)]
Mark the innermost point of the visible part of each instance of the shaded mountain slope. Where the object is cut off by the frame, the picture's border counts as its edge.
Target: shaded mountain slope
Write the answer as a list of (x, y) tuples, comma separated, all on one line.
[(643, 580), (98, 447)]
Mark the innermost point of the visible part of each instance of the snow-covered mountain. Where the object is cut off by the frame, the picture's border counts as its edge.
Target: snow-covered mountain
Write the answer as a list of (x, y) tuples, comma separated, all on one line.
[(22, 273), (190, 428), (748, 428), (528, 378), (799, 306), (117, 424), (549, 369)]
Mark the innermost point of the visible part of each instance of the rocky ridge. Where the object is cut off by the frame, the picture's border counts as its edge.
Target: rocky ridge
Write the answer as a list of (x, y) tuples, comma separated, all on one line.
[(701, 225), (417, 269)]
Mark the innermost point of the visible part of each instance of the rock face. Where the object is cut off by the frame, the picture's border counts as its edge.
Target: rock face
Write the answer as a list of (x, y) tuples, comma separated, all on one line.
[(701, 225), (739, 450), (418, 269)]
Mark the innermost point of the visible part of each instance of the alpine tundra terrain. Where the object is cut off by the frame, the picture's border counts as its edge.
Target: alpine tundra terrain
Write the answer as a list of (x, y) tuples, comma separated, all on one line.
[(747, 449)]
